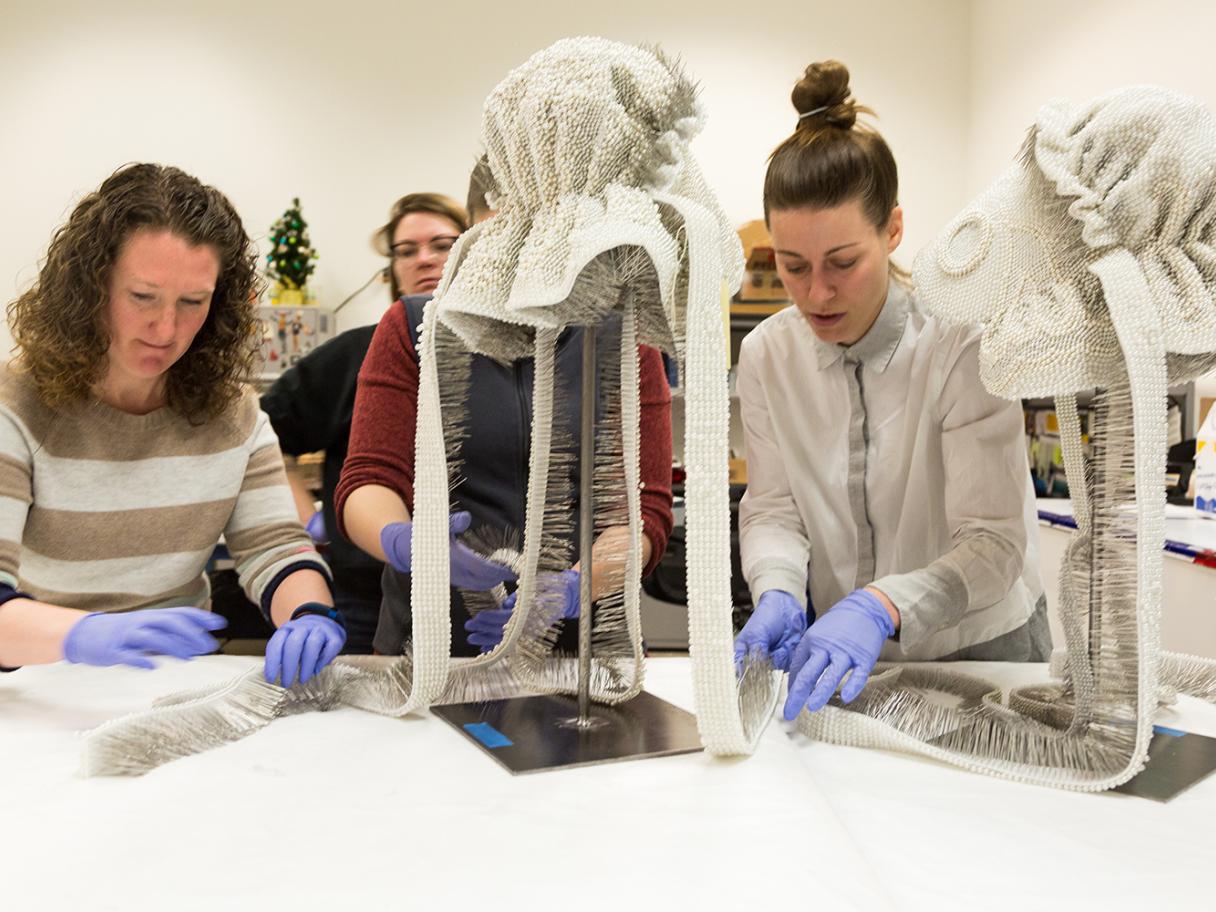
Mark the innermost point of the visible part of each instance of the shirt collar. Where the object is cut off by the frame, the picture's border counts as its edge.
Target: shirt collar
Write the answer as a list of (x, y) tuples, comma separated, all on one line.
[(876, 348)]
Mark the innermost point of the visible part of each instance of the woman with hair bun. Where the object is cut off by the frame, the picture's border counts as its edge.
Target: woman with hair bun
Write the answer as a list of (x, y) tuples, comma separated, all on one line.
[(885, 482), (129, 443)]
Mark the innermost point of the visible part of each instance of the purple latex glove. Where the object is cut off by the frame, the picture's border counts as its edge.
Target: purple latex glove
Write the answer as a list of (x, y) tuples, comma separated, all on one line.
[(774, 629), (301, 648), (850, 636), (469, 569), (316, 528), (130, 637), (486, 627)]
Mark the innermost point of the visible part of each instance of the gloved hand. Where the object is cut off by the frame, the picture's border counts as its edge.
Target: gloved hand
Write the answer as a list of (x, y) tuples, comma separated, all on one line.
[(773, 629), (302, 647), (486, 627), (316, 528), (130, 637), (469, 569), (850, 636)]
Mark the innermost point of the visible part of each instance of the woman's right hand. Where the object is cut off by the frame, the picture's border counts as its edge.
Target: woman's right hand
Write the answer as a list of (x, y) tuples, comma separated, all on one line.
[(469, 570), (773, 630), (132, 637)]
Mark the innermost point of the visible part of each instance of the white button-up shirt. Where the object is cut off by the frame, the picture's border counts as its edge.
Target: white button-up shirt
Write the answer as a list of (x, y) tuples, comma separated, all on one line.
[(887, 462)]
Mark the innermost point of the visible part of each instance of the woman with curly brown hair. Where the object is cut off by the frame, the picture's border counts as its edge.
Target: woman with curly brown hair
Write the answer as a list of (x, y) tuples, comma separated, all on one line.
[(129, 443)]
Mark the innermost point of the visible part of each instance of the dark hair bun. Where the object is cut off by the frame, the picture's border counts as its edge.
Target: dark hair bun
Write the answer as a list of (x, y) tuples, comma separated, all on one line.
[(825, 85)]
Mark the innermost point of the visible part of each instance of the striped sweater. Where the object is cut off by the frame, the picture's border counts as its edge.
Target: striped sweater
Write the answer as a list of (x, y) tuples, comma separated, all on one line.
[(106, 511)]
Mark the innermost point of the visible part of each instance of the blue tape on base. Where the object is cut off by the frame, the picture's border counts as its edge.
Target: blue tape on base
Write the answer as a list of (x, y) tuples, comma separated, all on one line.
[(1161, 729), (488, 735)]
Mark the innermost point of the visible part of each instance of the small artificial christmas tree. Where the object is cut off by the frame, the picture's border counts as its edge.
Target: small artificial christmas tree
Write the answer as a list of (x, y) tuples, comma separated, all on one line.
[(290, 261)]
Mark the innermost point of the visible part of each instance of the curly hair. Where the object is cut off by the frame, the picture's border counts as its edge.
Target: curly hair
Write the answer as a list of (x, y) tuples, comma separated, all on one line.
[(60, 325)]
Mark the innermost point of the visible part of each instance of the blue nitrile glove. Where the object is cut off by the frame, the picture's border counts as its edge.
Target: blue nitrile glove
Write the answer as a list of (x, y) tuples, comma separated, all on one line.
[(469, 569), (304, 645), (316, 528), (485, 628), (773, 629), (850, 636), (130, 637)]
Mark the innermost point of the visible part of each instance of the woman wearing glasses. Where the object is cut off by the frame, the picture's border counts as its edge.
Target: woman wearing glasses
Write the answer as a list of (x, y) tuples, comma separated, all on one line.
[(311, 405), (420, 231)]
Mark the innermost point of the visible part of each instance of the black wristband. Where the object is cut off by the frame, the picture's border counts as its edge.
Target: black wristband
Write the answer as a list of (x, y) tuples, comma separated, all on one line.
[(324, 610), (8, 593)]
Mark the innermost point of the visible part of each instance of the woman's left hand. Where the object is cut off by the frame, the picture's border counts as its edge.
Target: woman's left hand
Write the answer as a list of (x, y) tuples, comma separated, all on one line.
[(302, 647), (848, 637)]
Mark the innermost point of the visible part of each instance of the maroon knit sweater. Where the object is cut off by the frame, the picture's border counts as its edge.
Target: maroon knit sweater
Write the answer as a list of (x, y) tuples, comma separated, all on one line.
[(386, 418)]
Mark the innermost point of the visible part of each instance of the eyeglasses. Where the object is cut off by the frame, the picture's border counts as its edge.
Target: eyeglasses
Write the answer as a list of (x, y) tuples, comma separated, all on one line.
[(437, 246)]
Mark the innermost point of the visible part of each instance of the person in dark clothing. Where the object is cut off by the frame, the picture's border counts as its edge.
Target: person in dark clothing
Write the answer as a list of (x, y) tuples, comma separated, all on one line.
[(310, 409), (311, 405)]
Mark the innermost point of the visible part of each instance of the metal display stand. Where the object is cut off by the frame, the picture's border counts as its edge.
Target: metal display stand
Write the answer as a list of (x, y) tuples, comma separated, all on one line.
[(547, 732)]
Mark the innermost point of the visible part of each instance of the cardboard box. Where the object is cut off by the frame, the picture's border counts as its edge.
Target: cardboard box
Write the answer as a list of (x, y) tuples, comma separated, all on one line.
[(738, 471), (760, 281)]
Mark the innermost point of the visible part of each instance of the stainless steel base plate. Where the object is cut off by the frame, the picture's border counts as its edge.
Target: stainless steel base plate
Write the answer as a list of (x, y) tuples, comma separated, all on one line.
[(527, 734)]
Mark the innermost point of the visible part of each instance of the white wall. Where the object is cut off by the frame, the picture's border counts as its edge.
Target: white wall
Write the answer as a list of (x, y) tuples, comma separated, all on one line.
[(1028, 52), (349, 105)]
